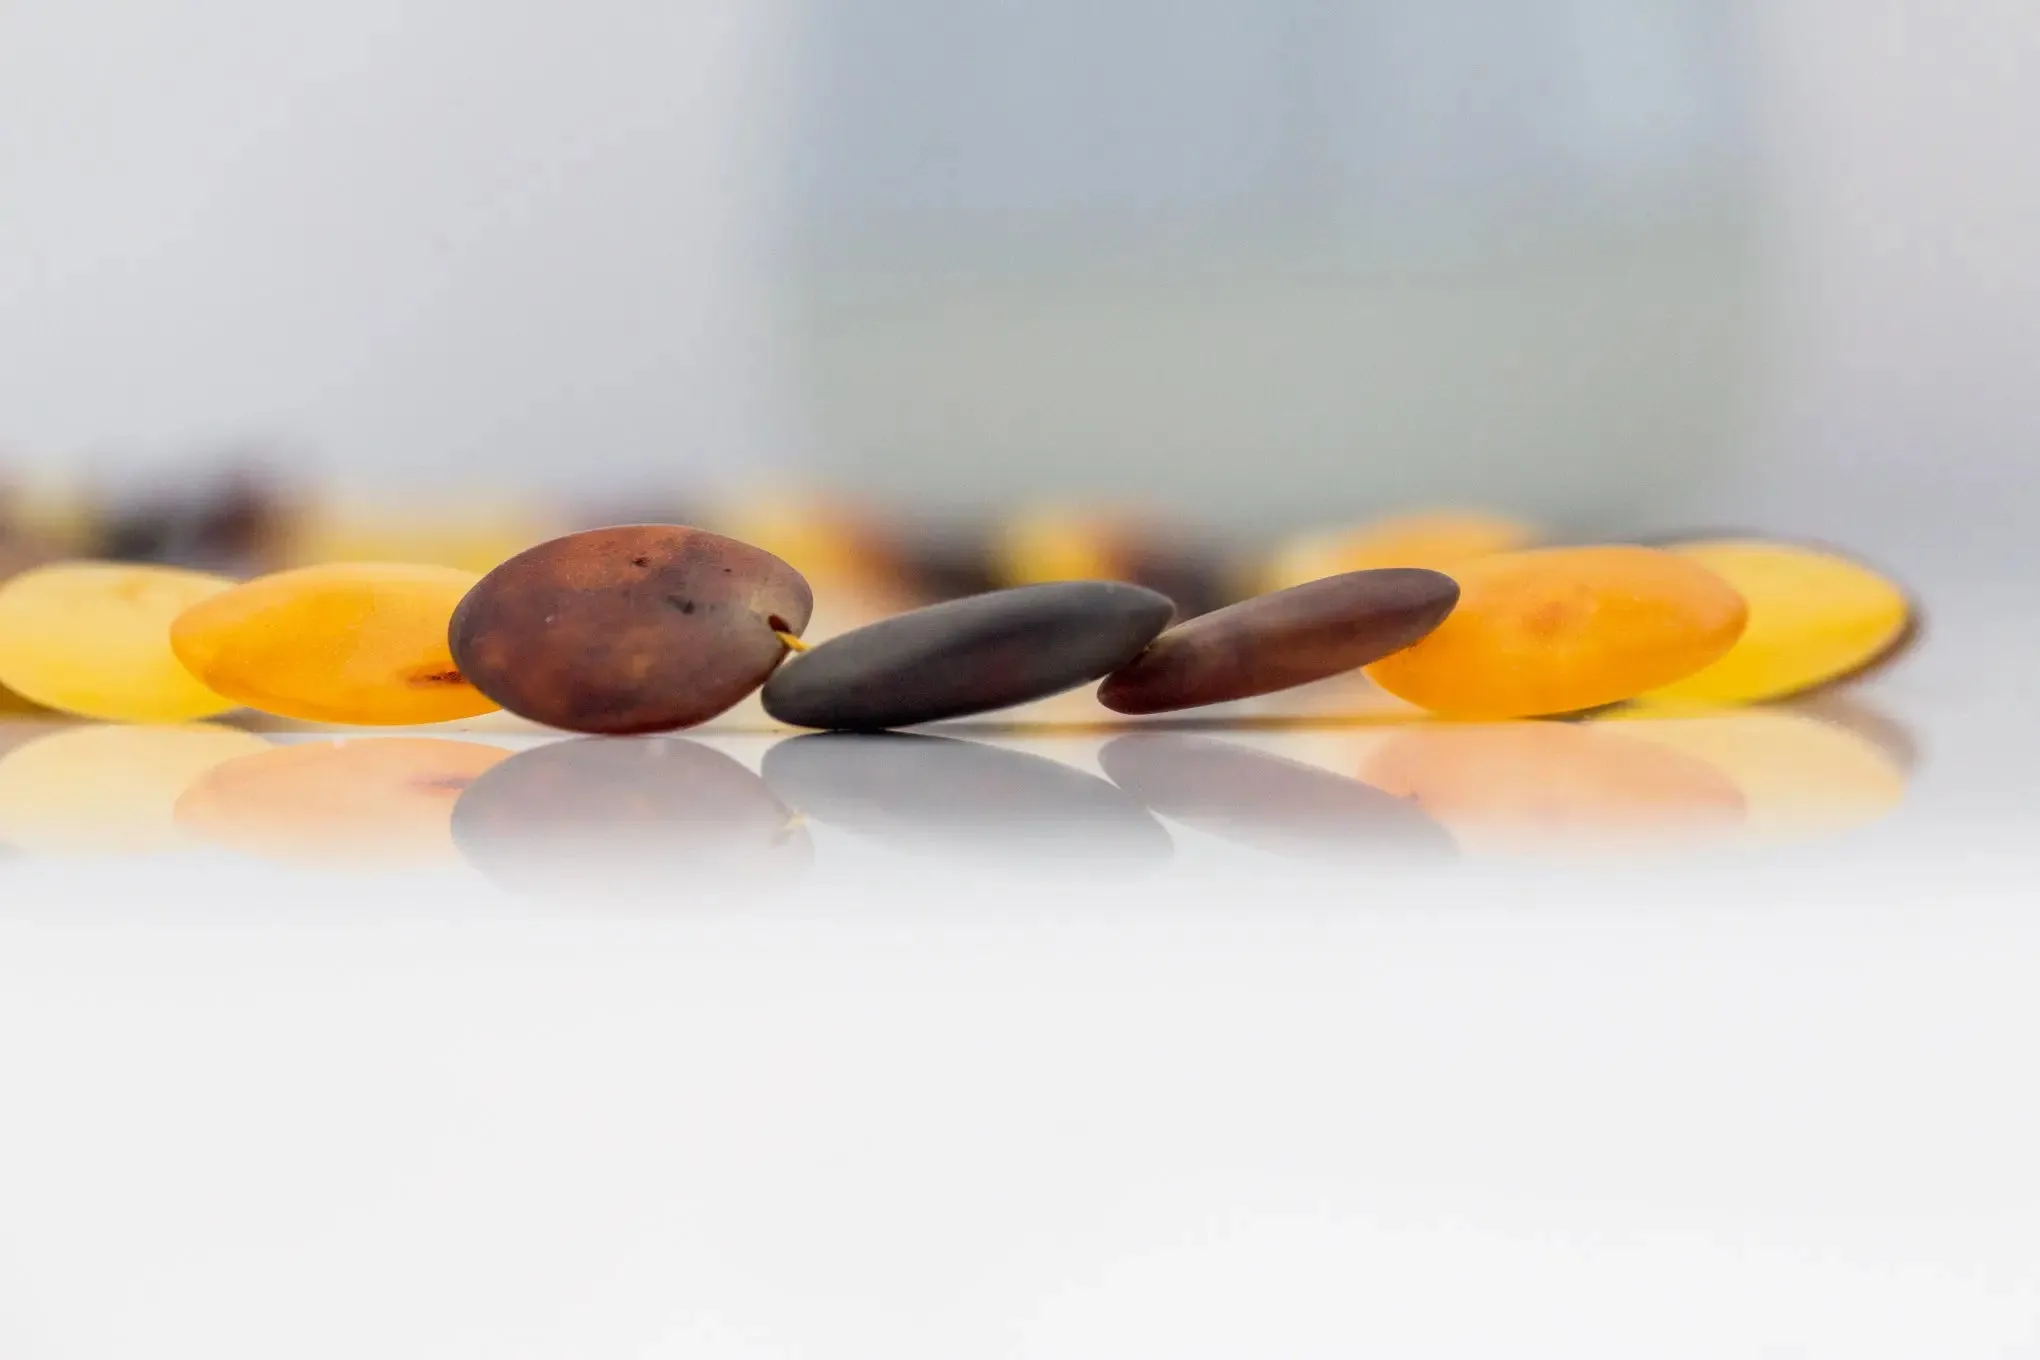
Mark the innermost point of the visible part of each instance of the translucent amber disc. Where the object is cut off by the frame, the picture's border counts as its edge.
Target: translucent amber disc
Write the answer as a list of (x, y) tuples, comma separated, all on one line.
[(1565, 629), (350, 643), (93, 638), (1815, 617)]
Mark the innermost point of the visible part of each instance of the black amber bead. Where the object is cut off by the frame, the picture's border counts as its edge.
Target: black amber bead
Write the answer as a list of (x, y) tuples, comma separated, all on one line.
[(968, 656)]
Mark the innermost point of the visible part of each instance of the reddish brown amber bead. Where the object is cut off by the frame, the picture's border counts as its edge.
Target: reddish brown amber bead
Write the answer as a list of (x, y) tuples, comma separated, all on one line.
[(642, 628), (1281, 640)]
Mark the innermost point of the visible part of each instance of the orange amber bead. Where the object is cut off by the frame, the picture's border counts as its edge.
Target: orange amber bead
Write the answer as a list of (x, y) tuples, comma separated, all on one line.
[(1815, 617), (1564, 629), (351, 643)]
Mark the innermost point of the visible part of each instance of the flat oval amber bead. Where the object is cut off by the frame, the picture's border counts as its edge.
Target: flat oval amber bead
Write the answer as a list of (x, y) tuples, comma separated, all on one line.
[(968, 656), (1281, 640), (93, 638), (1815, 618), (1564, 629), (637, 628), (361, 643)]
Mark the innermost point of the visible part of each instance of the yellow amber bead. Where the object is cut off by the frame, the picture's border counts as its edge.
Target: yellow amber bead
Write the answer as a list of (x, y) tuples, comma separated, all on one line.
[(93, 638), (376, 801), (1815, 617), (106, 789), (1564, 629), (357, 642), (1441, 541)]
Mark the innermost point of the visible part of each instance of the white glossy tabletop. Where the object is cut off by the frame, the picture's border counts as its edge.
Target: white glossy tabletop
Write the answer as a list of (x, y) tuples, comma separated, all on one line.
[(1301, 1030)]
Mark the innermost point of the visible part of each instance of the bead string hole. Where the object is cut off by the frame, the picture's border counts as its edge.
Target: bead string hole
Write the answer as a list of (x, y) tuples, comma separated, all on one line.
[(784, 632)]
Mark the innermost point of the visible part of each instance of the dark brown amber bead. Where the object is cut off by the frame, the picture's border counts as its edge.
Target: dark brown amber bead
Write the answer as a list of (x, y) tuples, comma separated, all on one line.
[(968, 656), (1284, 639), (642, 628)]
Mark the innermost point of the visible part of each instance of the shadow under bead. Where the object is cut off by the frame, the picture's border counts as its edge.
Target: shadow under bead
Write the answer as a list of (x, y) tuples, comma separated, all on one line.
[(639, 628), (968, 656), (1281, 640)]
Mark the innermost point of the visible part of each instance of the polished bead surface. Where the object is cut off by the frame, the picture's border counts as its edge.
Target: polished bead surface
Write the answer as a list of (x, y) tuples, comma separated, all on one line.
[(1565, 629), (360, 643), (968, 656), (1816, 617), (1281, 640), (638, 628), (93, 638), (670, 821), (927, 795), (1261, 800)]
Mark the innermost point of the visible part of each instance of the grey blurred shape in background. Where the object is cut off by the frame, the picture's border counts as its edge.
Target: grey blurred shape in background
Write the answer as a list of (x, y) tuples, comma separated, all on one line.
[(1259, 261), (1277, 259)]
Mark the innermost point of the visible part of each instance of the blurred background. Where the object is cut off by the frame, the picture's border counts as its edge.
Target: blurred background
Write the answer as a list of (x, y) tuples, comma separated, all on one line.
[(1252, 266)]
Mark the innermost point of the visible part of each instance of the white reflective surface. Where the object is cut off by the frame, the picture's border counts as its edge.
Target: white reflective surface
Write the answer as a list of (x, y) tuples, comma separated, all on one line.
[(1042, 1039)]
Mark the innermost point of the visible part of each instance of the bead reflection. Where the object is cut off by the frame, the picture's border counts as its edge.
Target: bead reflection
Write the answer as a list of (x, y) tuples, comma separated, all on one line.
[(1557, 789), (1800, 774), (1635, 780), (108, 789), (945, 797), (1270, 803), (370, 801), (664, 815)]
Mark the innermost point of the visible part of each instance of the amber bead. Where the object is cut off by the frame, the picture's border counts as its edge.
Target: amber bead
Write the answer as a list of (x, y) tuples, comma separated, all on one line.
[(1560, 630), (639, 628), (1816, 617), (370, 802), (1557, 789), (1281, 640), (93, 638), (968, 656), (668, 819), (1270, 803), (361, 643), (941, 797)]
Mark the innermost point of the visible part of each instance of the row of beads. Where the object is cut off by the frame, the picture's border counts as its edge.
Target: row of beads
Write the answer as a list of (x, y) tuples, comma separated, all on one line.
[(649, 628)]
